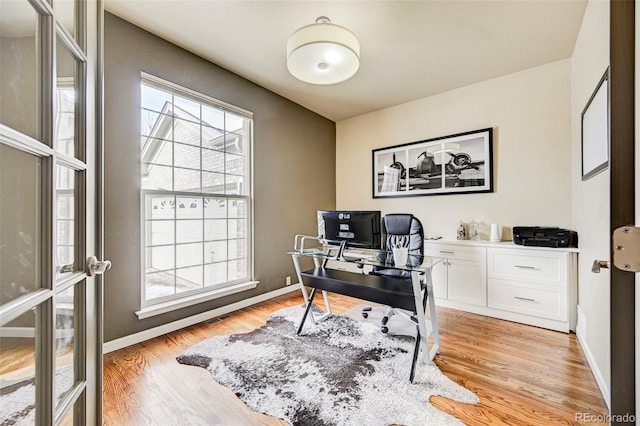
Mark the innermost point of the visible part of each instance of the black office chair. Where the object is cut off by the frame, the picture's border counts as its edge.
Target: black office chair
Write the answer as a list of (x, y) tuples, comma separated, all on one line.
[(399, 230)]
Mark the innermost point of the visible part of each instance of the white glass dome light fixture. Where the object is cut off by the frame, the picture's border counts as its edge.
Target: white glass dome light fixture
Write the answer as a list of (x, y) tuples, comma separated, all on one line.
[(323, 53)]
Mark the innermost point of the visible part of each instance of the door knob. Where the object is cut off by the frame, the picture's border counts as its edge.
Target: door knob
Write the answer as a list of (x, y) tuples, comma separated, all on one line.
[(97, 267), (598, 264)]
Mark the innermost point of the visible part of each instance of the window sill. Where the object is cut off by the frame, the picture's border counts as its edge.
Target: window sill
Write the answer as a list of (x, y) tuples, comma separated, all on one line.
[(173, 305)]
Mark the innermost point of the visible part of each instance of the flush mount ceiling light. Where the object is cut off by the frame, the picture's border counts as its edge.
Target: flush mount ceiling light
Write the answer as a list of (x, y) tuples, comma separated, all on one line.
[(323, 53)]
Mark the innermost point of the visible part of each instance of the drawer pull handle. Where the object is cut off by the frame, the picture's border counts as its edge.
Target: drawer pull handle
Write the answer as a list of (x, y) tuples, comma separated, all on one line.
[(447, 252), (524, 298), (525, 267)]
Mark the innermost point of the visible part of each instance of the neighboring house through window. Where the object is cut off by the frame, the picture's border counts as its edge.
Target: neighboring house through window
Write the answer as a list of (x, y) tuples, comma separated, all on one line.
[(196, 195), (64, 142)]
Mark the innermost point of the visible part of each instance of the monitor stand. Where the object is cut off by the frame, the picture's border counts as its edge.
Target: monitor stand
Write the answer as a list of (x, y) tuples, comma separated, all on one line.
[(341, 249)]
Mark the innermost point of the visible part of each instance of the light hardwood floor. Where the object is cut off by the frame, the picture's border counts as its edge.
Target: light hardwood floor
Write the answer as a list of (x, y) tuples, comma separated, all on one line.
[(523, 375)]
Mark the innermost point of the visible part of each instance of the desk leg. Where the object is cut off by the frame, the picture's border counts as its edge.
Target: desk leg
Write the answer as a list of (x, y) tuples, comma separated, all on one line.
[(305, 296), (327, 306), (307, 309), (422, 326), (325, 295), (434, 319), (416, 350)]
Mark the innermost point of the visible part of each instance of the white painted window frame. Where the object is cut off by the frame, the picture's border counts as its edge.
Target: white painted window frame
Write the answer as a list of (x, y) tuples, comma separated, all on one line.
[(170, 303)]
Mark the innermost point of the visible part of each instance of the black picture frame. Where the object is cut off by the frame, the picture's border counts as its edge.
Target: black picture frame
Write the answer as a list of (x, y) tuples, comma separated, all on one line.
[(594, 130), (455, 164)]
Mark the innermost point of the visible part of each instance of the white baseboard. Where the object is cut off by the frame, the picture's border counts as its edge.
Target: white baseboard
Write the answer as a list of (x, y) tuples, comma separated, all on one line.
[(30, 332), (581, 334), (19, 332), (132, 339)]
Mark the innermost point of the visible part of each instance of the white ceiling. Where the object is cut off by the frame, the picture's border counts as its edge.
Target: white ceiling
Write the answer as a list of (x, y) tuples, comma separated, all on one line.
[(409, 49)]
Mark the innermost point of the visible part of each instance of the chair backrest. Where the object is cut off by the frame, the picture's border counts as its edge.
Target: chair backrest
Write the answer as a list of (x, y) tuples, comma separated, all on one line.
[(404, 230)]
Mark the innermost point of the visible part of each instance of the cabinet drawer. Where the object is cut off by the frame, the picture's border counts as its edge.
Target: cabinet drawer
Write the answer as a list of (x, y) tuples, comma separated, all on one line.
[(535, 266), (538, 301), (455, 252)]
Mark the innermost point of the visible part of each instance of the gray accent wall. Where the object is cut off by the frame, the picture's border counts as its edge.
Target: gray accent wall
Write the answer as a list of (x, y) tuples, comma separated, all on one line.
[(294, 172)]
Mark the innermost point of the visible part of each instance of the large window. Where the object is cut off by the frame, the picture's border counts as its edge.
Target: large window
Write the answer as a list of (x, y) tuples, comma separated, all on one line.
[(196, 195)]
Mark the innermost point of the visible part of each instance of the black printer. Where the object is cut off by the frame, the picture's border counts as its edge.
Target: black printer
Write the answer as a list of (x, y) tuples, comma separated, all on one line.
[(540, 236)]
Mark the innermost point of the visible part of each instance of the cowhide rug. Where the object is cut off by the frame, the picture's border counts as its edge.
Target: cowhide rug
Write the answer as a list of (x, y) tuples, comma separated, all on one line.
[(337, 372), (17, 399)]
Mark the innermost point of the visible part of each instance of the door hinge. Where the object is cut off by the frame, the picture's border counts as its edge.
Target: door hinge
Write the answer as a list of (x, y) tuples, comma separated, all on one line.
[(626, 248)]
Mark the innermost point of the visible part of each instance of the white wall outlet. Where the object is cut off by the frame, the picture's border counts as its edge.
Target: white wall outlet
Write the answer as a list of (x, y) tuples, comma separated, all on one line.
[(288, 280)]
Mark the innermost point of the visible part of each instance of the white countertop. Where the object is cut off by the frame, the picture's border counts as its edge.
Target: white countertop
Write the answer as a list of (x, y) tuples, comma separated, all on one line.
[(500, 244)]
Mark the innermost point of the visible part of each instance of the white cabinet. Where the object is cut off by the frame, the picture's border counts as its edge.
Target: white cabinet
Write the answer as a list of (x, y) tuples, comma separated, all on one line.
[(531, 285), (461, 276)]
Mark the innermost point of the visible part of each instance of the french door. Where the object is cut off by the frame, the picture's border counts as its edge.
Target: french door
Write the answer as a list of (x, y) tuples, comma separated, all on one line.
[(50, 370), (623, 204)]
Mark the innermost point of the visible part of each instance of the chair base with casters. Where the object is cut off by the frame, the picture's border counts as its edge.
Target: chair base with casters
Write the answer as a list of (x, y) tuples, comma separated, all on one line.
[(388, 313)]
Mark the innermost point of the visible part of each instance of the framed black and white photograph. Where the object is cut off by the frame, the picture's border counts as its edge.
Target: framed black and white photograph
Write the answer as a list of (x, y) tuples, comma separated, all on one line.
[(595, 130), (455, 164)]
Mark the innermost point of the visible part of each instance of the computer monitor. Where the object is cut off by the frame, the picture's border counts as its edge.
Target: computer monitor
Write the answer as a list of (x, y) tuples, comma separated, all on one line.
[(349, 228)]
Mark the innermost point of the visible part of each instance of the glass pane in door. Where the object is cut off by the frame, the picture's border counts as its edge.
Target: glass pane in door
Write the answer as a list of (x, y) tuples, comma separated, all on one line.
[(67, 420), (65, 223), (20, 217), (19, 67), (18, 370), (64, 339), (65, 11), (65, 98)]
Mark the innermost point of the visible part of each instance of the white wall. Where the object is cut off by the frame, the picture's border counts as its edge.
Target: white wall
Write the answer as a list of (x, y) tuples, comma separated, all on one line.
[(536, 116), (591, 198), (529, 112)]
